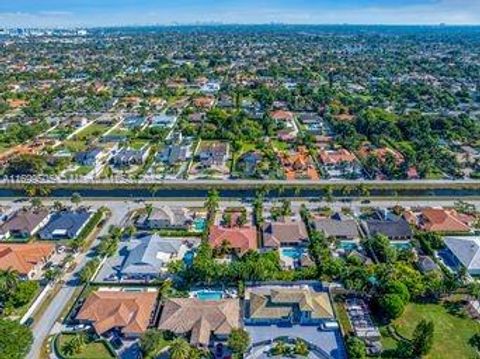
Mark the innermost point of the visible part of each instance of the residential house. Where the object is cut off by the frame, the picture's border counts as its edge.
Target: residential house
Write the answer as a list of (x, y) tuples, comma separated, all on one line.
[(65, 225), (249, 162), (282, 115), (127, 157), (173, 154), (134, 122), (147, 258), (298, 165), (464, 251), (240, 239), (312, 121), (89, 157), (24, 223), (210, 87), (205, 102), (444, 221), (27, 259), (202, 322), (287, 305), (284, 233), (338, 226), (398, 229), (339, 162), (129, 312), (163, 121), (381, 154), (165, 217), (213, 154)]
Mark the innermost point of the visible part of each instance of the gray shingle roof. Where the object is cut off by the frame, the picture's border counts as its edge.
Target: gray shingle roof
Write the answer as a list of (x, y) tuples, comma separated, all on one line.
[(337, 227), (466, 249), (144, 258), (65, 224), (391, 229)]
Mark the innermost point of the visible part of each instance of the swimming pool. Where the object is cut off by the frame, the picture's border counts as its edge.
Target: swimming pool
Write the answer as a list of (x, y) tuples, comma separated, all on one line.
[(188, 258), (199, 224), (206, 295), (401, 246), (292, 252), (348, 245)]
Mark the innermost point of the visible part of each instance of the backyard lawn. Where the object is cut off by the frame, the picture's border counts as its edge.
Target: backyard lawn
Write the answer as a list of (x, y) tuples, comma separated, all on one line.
[(93, 350), (94, 130), (452, 331)]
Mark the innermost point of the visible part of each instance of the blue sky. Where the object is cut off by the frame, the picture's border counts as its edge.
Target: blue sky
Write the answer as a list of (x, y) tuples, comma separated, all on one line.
[(47, 13)]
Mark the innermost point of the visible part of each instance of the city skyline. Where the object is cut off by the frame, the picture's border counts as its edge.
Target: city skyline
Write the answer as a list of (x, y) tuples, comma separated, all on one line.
[(89, 13)]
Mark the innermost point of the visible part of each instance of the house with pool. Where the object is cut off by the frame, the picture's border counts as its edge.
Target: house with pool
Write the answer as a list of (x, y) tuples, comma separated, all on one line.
[(290, 238), (202, 322), (146, 258), (462, 252), (287, 305), (301, 310)]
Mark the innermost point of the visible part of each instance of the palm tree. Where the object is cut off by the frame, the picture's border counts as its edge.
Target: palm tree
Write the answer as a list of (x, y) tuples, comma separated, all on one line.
[(9, 279), (180, 349), (30, 190), (224, 248), (280, 348), (165, 288), (212, 201), (44, 191), (36, 202), (57, 206), (301, 348), (153, 190), (76, 199), (149, 209), (130, 231), (76, 345), (115, 232)]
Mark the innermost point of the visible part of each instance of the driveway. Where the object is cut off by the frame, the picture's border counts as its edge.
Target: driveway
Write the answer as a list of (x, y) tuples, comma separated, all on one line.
[(42, 327)]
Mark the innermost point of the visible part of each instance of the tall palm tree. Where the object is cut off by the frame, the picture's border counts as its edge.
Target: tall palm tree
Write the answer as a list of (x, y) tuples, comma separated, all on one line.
[(9, 279), (180, 349), (212, 202), (149, 209)]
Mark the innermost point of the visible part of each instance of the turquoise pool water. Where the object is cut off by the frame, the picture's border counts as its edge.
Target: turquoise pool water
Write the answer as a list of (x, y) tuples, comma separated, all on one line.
[(401, 245), (348, 245), (188, 258), (199, 224), (292, 252), (209, 295)]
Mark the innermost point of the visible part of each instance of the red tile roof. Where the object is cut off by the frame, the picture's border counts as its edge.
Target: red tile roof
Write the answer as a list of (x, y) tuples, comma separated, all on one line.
[(24, 257), (130, 311), (443, 220), (241, 239), (336, 157), (281, 115)]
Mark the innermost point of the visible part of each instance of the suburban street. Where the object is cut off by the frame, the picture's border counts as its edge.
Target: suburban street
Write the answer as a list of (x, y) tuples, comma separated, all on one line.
[(153, 180), (43, 326)]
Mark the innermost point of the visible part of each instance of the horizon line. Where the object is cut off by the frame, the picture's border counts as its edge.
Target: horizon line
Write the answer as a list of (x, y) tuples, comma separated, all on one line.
[(213, 24)]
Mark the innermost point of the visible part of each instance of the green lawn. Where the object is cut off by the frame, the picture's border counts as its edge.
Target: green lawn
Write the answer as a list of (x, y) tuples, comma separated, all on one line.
[(93, 350), (138, 144), (452, 331), (74, 145), (83, 170), (94, 130)]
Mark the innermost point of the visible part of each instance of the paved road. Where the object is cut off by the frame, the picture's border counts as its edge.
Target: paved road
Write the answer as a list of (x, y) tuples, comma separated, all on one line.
[(146, 180), (43, 326), (119, 208)]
